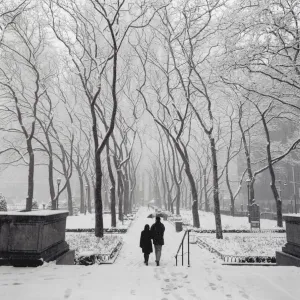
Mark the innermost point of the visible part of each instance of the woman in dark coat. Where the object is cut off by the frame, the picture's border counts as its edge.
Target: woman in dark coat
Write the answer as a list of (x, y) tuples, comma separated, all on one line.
[(145, 243)]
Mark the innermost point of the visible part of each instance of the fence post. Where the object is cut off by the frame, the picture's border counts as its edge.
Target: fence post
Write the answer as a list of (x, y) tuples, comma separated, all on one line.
[(182, 250), (188, 248)]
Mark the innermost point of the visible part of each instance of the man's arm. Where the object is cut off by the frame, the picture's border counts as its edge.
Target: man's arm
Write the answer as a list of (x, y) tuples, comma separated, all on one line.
[(141, 240)]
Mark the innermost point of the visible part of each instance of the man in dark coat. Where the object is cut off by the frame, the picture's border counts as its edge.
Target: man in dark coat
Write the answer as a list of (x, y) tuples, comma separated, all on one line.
[(157, 231), (145, 243)]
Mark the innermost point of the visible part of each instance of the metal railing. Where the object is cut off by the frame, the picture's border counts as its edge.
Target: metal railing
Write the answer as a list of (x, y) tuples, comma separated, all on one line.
[(181, 246)]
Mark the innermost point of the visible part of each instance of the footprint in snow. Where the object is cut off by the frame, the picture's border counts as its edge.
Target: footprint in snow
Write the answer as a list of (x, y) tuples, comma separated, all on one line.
[(244, 295), (132, 292), (212, 286), (192, 293), (165, 291), (156, 274), (176, 296), (17, 283), (67, 293), (219, 277)]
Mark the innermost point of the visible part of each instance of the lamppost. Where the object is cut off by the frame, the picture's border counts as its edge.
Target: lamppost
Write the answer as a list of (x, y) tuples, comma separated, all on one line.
[(58, 184), (294, 185), (86, 195), (280, 190)]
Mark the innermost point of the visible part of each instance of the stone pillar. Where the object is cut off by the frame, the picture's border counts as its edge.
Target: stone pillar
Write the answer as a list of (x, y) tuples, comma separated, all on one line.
[(290, 254)]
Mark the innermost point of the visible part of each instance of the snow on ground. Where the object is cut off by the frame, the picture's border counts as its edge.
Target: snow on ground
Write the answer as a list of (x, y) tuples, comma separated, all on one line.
[(88, 221), (246, 244), (86, 241), (129, 278), (207, 221)]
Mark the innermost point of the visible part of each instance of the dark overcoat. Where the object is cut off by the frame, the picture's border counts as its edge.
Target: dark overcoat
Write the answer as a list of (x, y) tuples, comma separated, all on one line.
[(145, 241), (157, 232)]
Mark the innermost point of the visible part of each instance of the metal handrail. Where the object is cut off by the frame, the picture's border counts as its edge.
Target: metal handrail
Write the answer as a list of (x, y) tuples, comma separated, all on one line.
[(187, 232)]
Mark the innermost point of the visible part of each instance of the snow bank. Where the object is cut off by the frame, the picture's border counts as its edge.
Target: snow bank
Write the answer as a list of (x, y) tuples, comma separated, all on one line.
[(88, 221), (258, 245), (207, 221)]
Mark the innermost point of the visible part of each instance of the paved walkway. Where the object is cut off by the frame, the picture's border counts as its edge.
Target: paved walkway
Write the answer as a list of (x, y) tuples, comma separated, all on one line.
[(129, 278), (131, 254)]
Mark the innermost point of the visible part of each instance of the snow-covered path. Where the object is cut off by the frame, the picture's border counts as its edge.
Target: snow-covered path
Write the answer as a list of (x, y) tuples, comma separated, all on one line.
[(131, 254), (129, 278)]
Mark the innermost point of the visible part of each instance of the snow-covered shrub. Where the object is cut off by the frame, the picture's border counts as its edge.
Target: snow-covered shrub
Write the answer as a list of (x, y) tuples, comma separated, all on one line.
[(90, 249), (3, 203), (35, 205), (49, 205)]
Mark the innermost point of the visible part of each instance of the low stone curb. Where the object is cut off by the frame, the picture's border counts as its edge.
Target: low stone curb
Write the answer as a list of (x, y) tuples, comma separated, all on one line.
[(105, 230), (213, 231), (239, 231), (250, 264)]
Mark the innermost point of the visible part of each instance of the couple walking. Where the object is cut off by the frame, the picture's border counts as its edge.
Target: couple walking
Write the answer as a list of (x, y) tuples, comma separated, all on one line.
[(156, 233)]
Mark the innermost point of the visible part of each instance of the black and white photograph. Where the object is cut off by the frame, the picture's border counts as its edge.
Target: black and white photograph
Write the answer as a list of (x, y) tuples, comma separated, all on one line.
[(150, 149)]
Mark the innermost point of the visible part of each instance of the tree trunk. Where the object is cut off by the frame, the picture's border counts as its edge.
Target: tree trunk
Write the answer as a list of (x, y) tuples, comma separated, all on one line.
[(120, 195), (196, 221), (248, 159), (278, 201), (89, 202), (98, 199), (69, 190), (219, 233), (230, 192), (178, 199), (205, 190), (70, 200), (112, 189), (132, 190), (113, 206), (29, 198), (200, 192), (81, 187), (126, 193), (50, 179)]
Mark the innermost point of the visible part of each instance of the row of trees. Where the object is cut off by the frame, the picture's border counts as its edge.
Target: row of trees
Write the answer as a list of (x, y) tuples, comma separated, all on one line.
[(83, 84)]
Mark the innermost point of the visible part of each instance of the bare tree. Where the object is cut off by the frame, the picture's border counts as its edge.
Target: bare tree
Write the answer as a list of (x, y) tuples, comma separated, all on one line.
[(23, 80)]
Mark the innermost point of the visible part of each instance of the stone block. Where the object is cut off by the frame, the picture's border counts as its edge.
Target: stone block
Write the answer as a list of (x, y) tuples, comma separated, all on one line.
[(29, 238), (291, 249), (285, 259), (67, 258), (292, 229)]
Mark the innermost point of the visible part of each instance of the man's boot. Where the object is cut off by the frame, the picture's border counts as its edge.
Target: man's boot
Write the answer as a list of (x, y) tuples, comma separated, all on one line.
[(146, 259), (157, 263)]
